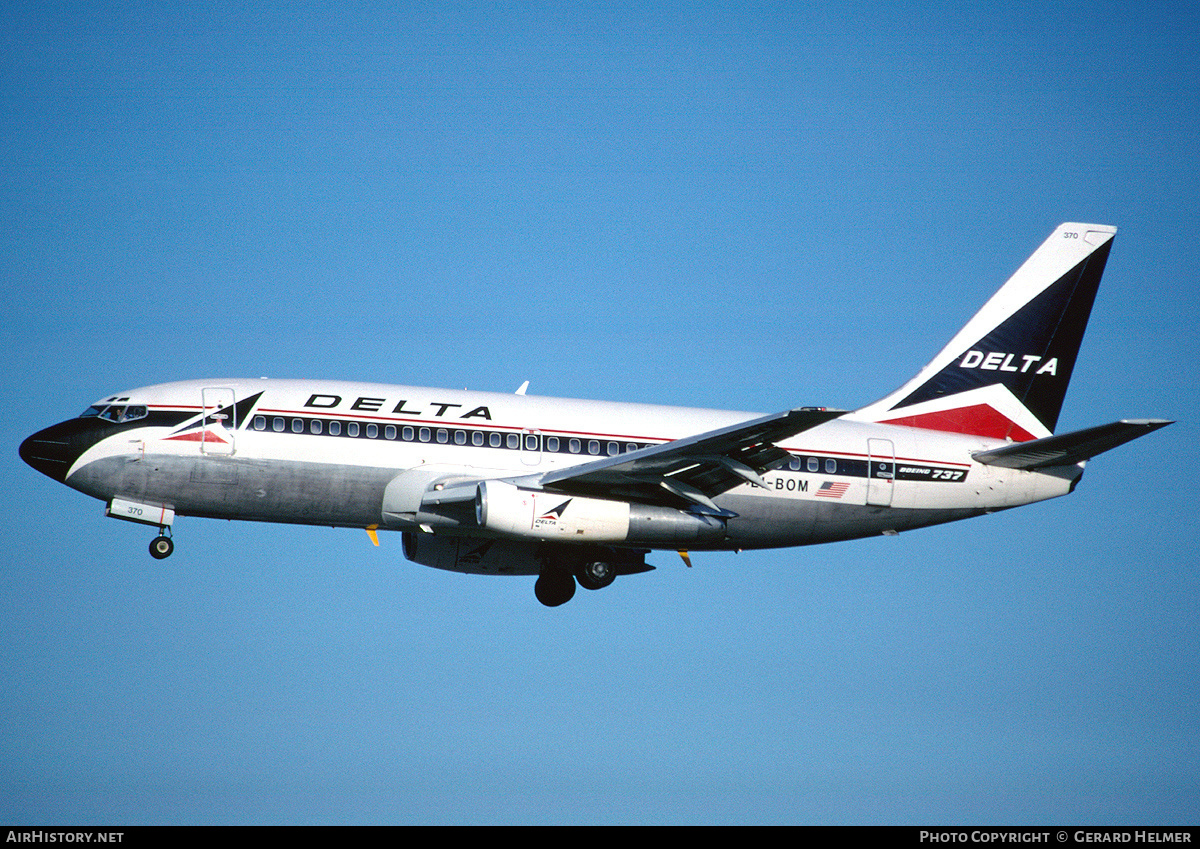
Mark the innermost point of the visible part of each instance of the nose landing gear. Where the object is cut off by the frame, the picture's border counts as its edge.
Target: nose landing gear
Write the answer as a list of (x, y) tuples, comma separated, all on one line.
[(162, 545), (159, 515)]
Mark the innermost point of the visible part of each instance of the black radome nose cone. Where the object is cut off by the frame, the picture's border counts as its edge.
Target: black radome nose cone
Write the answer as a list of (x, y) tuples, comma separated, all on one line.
[(51, 452)]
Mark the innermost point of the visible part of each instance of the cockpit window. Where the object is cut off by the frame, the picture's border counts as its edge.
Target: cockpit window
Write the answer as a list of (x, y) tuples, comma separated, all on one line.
[(117, 413)]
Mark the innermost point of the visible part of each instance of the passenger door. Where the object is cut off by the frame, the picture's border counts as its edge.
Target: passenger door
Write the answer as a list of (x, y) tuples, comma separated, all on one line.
[(881, 471)]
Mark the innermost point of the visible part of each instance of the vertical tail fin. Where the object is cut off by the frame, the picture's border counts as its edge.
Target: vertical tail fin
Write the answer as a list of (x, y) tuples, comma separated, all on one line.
[(1005, 374)]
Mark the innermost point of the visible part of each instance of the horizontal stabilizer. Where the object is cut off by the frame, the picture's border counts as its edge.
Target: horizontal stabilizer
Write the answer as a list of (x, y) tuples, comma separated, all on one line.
[(1066, 449)]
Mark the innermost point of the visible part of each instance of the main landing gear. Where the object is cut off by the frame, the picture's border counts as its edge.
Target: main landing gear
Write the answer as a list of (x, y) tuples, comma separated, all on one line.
[(556, 584), (596, 574), (162, 545)]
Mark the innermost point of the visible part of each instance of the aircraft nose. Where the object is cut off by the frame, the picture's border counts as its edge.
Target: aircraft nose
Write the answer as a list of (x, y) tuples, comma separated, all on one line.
[(53, 450)]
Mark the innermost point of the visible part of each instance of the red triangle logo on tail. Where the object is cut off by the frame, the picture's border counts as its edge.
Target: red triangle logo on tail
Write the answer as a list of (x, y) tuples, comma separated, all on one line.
[(976, 420)]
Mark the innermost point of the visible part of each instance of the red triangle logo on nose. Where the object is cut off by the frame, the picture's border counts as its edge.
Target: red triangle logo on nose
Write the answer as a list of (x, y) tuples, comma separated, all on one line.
[(198, 436)]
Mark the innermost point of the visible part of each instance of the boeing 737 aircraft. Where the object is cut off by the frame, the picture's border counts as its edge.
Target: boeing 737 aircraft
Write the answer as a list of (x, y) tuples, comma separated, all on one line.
[(581, 491)]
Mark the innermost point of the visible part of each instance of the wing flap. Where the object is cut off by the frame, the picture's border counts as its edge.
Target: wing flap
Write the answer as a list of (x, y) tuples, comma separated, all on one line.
[(692, 470), (1066, 449)]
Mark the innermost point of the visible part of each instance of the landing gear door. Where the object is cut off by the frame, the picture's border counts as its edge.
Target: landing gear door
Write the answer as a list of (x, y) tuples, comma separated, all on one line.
[(881, 471), (219, 426)]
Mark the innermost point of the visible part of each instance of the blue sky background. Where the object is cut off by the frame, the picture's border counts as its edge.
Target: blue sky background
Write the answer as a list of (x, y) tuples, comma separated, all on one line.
[(735, 205)]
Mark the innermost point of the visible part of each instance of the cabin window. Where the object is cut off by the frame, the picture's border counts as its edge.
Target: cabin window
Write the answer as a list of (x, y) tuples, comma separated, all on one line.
[(613, 449), (335, 428), (593, 446), (495, 439), (443, 435), (314, 426), (831, 466), (477, 438), (352, 429), (814, 465), (277, 424), (460, 437), (531, 442), (423, 434), (574, 446), (389, 432), (552, 444), (372, 431), (407, 434), (794, 464), (513, 441), (260, 423)]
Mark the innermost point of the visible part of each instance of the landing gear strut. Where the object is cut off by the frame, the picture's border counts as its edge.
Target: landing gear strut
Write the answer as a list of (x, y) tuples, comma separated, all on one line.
[(162, 545)]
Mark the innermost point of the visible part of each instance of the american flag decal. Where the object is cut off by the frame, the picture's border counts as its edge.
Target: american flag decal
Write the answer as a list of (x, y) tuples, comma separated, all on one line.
[(830, 489)]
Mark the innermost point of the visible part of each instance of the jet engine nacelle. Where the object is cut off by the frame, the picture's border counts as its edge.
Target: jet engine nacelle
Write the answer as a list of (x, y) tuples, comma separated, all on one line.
[(504, 508)]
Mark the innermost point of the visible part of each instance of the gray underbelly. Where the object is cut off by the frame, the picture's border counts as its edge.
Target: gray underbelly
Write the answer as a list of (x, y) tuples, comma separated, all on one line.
[(234, 488)]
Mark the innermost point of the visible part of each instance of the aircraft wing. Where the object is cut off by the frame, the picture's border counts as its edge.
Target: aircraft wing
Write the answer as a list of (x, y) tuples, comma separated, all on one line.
[(1068, 448), (693, 470)]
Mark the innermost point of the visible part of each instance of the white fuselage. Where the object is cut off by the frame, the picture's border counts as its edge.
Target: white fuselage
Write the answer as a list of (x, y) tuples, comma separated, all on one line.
[(324, 452)]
